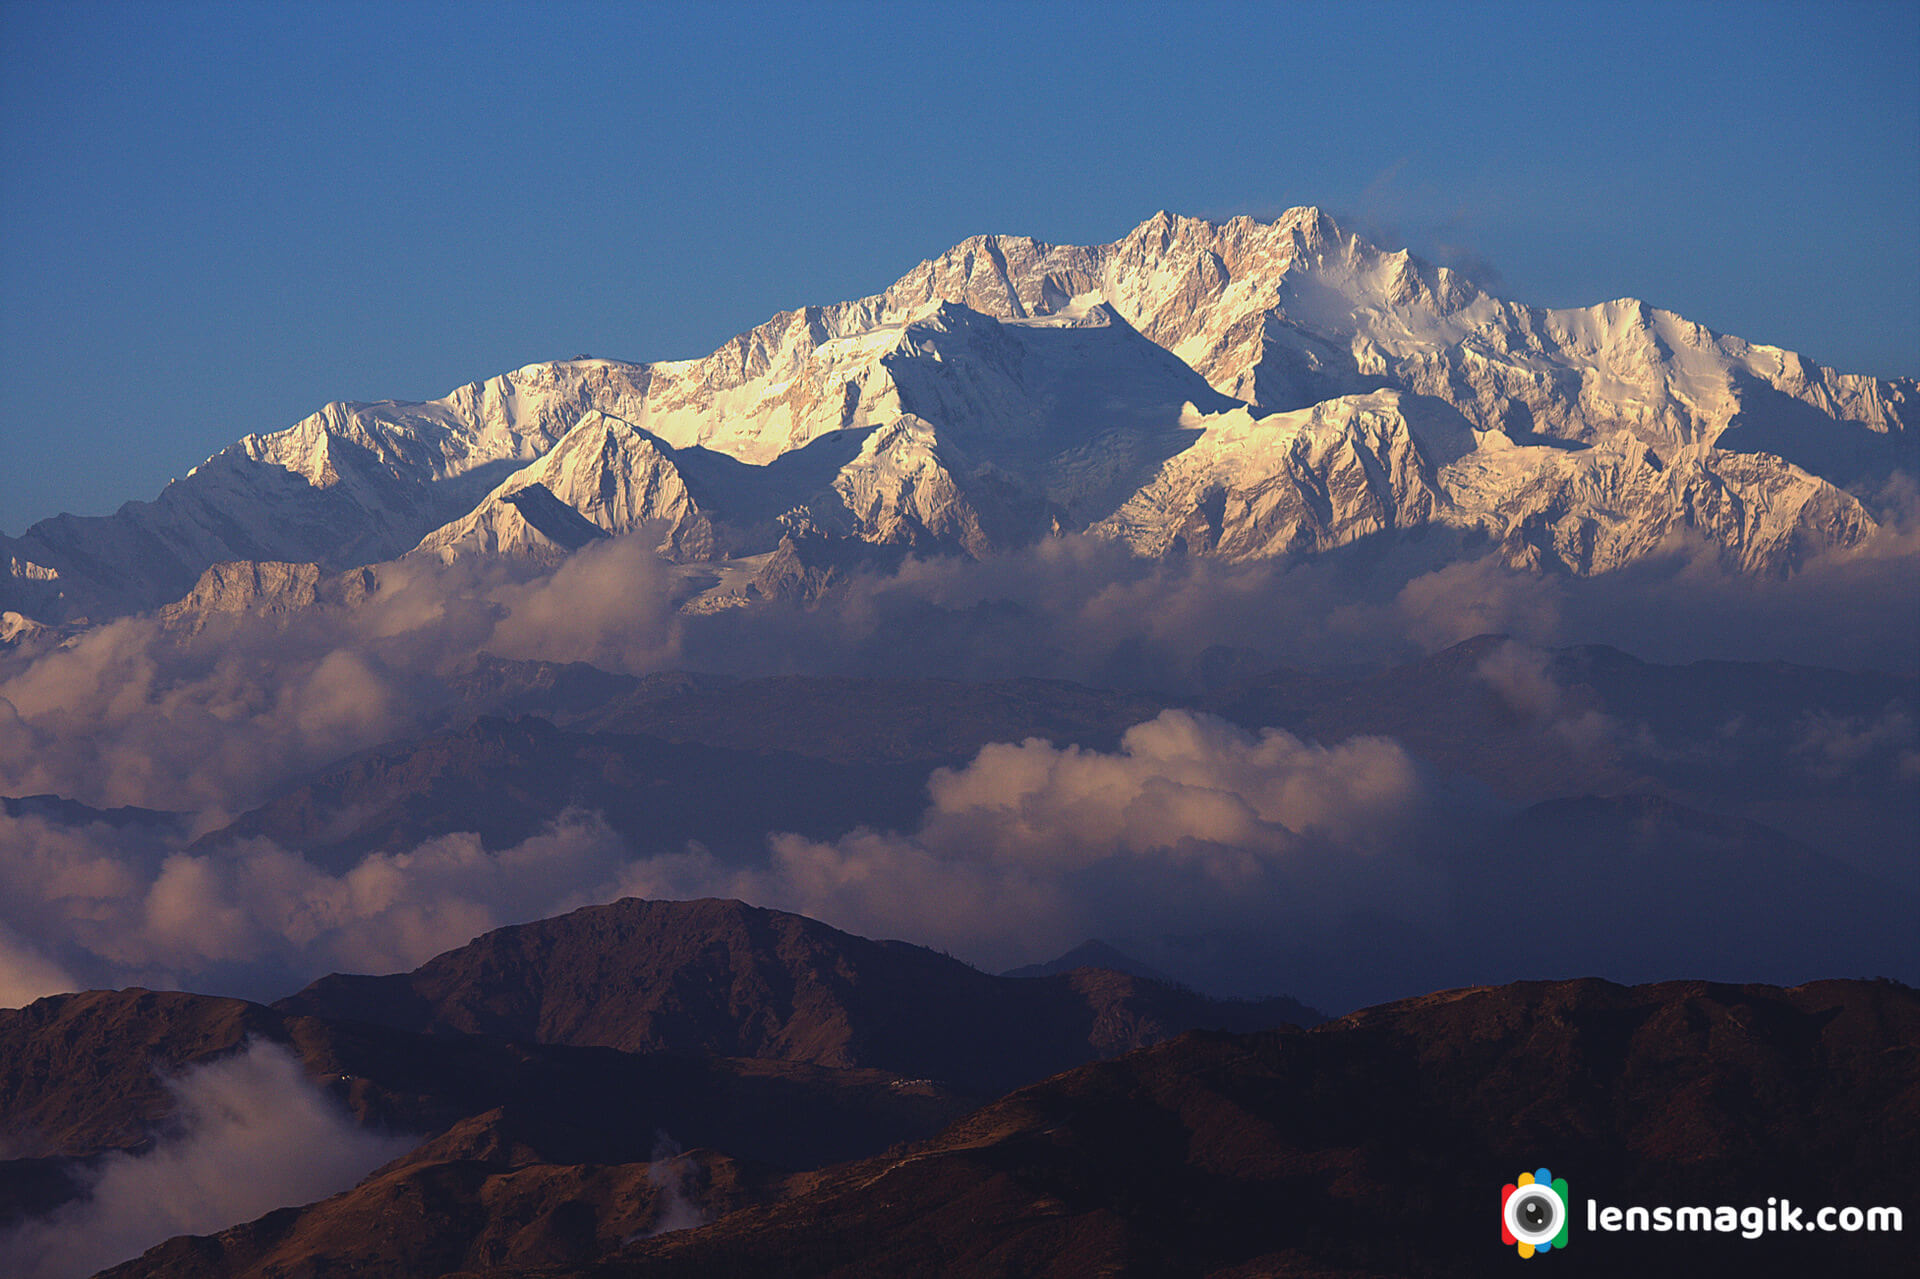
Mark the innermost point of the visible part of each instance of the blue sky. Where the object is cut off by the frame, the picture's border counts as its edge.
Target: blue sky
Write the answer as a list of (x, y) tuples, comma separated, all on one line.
[(214, 218)]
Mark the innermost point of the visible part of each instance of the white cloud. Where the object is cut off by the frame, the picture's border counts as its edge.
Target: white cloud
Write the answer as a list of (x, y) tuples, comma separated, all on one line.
[(1032, 847), (134, 713), (250, 1134), (1189, 824), (251, 918)]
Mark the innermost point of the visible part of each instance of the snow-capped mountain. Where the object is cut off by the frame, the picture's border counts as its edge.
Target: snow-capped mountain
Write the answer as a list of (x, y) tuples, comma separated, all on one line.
[(352, 484), (948, 429), (603, 477), (1285, 314), (1239, 389)]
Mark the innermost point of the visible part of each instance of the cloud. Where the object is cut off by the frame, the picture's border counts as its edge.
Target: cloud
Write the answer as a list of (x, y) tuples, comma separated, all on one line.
[(1188, 824), (1832, 747), (1520, 676), (1072, 607), (611, 605), (103, 906), (673, 1178), (250, 1134), (1032, 847), (1341, 872), (1080, 608), (1180, 777), (1392, 214), (1850, 609), (140, 713), (213, 722)]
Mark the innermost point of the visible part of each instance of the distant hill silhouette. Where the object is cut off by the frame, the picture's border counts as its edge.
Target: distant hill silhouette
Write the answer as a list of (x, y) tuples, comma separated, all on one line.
[(1091, 954), (66, 812), (507, 780), (841, 718), (722, 977), (1746, 739)]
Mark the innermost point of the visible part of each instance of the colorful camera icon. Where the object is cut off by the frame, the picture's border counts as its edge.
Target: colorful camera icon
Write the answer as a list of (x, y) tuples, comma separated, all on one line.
[(1533, 1212)]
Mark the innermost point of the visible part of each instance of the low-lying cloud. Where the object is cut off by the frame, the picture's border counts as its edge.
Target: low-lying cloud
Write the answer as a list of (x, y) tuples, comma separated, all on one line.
[(139, 712), (1191, 822), (212, 722), (250, 1134), (1084, 609), (104, 906), (1190, 825), (1343, 873)]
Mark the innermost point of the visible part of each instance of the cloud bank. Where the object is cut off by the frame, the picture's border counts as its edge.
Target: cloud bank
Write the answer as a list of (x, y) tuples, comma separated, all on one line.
[(141, 712), (100, 906), (1191, 823), (1342, 873), (138, 712), (1190, 826), (222, 1161)]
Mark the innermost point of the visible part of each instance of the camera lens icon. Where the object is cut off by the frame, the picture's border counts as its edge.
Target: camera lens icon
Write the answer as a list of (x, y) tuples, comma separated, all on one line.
[(1533, 1215), (1533, 1212)]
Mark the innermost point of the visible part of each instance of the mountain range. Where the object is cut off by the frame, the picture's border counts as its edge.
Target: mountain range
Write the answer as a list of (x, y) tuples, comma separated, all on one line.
[(1240, 390), (771, 1046), (1368, 1146), (956, 614), (542, 1065)]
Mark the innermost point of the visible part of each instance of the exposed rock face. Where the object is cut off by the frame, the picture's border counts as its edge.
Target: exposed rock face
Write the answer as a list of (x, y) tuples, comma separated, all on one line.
[(266, 588), (1252, 488), (1286, 314), (604, 477), (19, 629)]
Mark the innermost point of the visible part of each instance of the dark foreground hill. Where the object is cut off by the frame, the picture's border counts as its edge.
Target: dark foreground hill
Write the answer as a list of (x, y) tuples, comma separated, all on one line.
[(1377, 1145), (724, 978), (86, 1073), (517, 1145), (1374, 1145), (549, 1073)]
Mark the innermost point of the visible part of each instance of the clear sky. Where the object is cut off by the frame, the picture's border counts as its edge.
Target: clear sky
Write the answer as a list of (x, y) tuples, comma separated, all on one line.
[(216, 218)]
